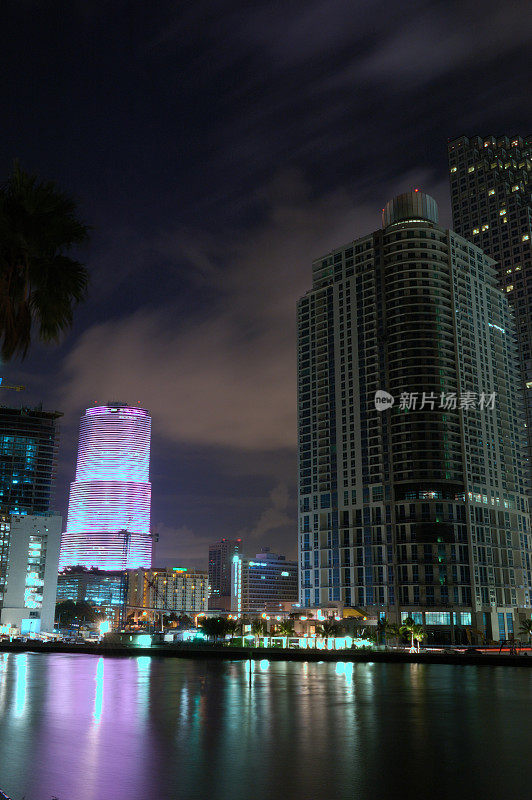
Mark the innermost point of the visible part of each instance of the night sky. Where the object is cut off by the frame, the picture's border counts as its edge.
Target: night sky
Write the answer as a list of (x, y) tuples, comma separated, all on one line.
[(216, 148)]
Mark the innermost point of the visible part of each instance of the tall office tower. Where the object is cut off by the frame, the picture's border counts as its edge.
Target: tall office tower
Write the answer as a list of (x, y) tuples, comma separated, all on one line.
[(491, 197), (220, 560), (29, 439), (416, 507), (108, 524)]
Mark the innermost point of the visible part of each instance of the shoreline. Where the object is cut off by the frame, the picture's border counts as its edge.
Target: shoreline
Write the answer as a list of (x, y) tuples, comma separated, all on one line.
[(272, 654)]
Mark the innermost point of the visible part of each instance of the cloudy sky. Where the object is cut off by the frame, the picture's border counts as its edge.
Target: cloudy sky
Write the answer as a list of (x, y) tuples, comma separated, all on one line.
[(216, 148)]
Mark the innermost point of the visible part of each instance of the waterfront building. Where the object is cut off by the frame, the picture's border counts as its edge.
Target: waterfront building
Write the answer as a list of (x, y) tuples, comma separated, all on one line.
[(269, 582), (492, 207), (220, 563), (412, 491), (29, 594), (108, 523), (29, 439), (103, 590), (174, 590)]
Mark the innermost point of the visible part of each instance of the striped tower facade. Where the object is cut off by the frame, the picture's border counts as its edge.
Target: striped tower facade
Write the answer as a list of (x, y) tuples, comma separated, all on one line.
[(108, 524)]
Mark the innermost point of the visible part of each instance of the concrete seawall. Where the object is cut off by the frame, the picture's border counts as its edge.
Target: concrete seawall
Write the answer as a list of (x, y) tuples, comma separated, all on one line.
[(273, 654)]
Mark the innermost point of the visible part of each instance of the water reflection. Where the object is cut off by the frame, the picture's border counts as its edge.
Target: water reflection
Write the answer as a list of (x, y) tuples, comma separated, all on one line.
[(21, 682), (97, 729), (98, 695)]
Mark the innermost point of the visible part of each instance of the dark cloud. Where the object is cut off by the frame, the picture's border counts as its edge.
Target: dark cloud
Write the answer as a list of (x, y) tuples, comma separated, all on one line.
[(217, 147)]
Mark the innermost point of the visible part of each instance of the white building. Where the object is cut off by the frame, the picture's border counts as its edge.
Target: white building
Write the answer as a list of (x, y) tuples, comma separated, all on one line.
[(32, 560)]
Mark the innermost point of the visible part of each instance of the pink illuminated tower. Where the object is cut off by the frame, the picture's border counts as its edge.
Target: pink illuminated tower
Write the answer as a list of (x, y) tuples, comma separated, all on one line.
[(108, 524)]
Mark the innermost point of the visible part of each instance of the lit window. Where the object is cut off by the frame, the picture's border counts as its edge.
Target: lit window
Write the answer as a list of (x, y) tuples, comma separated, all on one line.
[(518, 268), (508, 271), (515, 188), (485, 227), (471, 169), (453, 169), (490, 192), (476, 230), (510, 288), (505, 219), (502, 212), (526, 237), (486, 144)]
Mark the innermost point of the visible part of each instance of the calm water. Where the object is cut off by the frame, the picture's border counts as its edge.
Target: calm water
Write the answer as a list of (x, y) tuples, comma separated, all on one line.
[(86, 728)]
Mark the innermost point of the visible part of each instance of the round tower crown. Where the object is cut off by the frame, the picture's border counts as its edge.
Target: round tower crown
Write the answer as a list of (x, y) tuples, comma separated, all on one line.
[(414, 205)]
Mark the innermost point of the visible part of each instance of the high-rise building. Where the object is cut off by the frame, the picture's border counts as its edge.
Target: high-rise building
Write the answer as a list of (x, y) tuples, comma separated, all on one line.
[(29, 440), (29, 554), (220, 560), (176, 589), (412, 493), (491, 197), (108, 524), (266, 583)]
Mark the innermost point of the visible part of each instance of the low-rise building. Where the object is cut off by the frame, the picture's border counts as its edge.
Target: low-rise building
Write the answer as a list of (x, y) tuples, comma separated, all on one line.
[(101, 589), (266, 583), (174, 589), (31, 560)]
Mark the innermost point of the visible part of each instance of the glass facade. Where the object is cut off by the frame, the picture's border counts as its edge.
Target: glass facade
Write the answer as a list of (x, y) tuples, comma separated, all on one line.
[(29, 441)]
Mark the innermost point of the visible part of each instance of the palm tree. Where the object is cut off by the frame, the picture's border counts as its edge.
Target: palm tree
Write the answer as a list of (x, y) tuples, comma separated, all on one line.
[(285, 627), (392, 630), (526, 629), (329, 627), (231, 627), (39, 283), (258, 628), (213, 627), (408, 626), (382, 630), (418, 634)]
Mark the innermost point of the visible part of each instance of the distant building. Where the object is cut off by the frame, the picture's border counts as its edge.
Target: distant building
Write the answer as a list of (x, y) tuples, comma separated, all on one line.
[(490, 178), (220, 563), (31, 580), (29, 439), (266, 583), (176, 589), (108, 524), (103, 590)]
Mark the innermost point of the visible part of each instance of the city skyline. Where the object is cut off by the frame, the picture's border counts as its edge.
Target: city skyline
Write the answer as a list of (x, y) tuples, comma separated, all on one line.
[(204, 227)]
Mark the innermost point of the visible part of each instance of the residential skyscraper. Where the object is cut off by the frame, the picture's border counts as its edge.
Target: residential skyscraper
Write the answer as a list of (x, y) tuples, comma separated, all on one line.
[(412, 500), (491, 197), (220, 560), (108, 524)]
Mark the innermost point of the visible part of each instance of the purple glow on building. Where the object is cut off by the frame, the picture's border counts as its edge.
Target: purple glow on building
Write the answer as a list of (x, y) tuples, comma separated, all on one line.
[(108, 524)]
